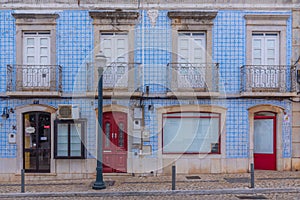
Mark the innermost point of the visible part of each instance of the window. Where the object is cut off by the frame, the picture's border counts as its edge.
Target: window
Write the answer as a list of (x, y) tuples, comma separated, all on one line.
[(35, 65), (114, 35), (265, 48), (69, 139), (265, 34), (115, 46), (191, 132), (191, 47)]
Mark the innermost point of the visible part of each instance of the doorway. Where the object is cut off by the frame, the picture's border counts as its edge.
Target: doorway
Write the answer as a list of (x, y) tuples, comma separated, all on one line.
[(36, 142), (114, 142), (265, 141)]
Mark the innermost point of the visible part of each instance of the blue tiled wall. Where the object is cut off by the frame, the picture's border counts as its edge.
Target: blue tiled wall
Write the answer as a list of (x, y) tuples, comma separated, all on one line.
[(153, 49), (7, 45), (74, 47)]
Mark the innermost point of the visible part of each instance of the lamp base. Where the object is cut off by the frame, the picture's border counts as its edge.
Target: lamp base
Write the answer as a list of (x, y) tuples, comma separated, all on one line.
[(99, 186)]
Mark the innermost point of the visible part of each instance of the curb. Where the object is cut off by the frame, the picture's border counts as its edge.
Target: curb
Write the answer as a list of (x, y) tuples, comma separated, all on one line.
[(153, 193)]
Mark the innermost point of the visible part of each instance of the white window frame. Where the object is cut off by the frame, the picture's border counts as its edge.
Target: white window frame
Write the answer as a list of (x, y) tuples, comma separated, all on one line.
[(266, 23)]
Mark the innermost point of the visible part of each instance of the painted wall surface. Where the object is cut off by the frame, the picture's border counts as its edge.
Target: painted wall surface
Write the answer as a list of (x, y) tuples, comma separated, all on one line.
[(153, 46)]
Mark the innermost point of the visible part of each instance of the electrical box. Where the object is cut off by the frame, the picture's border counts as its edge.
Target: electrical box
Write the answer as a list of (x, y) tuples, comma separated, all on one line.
[(136, 137), (138, 113), (11, 138), (136, 124), (146, 136)]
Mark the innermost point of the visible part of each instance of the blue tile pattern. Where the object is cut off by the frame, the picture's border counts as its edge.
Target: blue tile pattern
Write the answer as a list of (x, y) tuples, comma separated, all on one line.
[(153, 46), (7, 44)]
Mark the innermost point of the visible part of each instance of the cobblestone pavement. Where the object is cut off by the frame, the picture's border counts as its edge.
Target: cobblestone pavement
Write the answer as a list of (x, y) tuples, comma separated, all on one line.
[(263, 179)]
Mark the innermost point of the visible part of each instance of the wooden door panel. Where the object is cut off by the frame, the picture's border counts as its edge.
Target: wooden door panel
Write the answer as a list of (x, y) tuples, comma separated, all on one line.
[(114, 142)]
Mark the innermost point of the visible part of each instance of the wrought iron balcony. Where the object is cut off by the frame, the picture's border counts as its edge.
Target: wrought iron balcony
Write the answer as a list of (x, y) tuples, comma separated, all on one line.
[(198, 77), (116, 76), (34, 78), (268, 79)]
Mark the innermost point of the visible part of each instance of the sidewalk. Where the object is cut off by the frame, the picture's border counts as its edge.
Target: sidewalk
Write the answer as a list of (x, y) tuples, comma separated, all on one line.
[(201, 184)]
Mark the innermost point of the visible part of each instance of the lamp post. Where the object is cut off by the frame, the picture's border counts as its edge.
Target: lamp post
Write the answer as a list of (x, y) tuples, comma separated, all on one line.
[(100, 62)]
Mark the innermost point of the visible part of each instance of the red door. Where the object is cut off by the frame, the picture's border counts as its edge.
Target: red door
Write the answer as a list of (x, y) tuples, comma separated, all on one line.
[(265, 141), (114, 142)]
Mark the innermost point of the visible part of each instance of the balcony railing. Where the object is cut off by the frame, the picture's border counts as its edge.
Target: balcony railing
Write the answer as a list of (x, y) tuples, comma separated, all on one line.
[(34, 78), (116, 76), (268, 78), (202, 77)]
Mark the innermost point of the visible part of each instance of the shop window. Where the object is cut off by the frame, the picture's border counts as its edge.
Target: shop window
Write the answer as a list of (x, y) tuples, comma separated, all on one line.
[(191, 132), (69, 139)]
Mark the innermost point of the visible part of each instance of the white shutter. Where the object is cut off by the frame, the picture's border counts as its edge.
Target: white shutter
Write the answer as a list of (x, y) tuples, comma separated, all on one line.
[(191, 47), (265, 49), (115, 48), (36, 59)]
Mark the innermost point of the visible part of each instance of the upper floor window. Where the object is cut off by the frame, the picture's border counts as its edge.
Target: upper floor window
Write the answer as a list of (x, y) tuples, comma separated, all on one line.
[(265, 48), (114, 46), (191, 47), (35, 68), (36, 48)]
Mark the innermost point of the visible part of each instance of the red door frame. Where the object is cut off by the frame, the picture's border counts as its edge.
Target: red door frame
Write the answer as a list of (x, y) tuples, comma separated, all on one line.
[(266, 161), (114, 142)]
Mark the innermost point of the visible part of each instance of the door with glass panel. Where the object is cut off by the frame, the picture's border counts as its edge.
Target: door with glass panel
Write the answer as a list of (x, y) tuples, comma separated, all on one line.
[(36, 142), (265, 141), (114, 142), (265, 59), (36, 60), (191, 60)]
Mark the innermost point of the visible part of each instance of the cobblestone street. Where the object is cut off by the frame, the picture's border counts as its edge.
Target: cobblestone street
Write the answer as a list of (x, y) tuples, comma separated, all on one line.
[(268, 185)]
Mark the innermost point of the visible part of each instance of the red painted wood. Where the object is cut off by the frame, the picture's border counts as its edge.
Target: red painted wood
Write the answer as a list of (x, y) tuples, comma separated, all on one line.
[(266, 161), (114, 151)]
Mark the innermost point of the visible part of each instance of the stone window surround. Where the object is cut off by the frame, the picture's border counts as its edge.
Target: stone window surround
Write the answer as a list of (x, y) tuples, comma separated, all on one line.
[(266, 23), (115, 21), (34, 22), (192, 21), (192, 108)]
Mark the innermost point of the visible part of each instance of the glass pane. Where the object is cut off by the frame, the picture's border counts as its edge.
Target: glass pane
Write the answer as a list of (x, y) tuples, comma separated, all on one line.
[(121, 135), (263, 136), (190, 135), (44, 159), (62, 140), (107, 134), (75, 140), (30, 160)]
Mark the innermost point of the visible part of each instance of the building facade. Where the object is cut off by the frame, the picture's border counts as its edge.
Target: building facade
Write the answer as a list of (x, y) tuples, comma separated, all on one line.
[(210, 87)]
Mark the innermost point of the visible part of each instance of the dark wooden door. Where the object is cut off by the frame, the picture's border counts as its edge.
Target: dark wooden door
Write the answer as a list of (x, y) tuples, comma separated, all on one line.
[(36, 142), (265, 142), (114, 142)]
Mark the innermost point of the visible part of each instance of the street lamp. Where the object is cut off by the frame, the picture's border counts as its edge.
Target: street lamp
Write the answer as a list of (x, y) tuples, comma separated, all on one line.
[(100, 62)]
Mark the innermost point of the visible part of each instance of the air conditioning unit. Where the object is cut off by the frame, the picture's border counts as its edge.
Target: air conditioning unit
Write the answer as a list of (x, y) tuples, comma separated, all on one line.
[(68, 112)]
